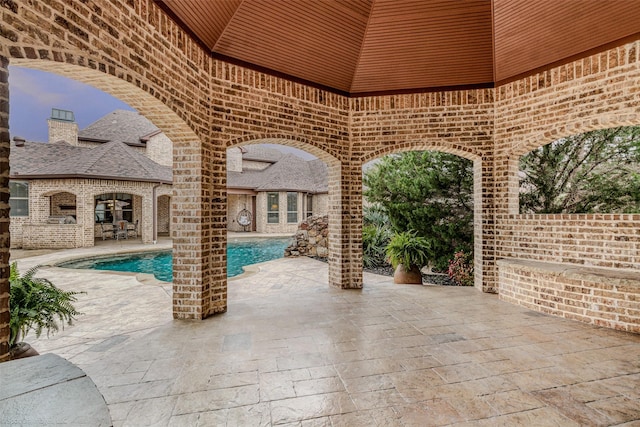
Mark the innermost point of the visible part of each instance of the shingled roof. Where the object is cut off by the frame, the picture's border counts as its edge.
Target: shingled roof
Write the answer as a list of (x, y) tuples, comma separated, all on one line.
[(112, 160), (289, 173), (125, 126), (261, 153)]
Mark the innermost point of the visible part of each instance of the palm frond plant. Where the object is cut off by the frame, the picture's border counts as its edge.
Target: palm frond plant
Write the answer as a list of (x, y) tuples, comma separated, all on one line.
[(37, 305), (408, 253)]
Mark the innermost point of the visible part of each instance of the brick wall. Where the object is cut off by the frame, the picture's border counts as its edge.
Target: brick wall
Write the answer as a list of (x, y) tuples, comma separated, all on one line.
[(597, 92), (601, 297), (63, 131), (164, 214), (160, 149), (52, 236), (593, 93), (4, 207), (601, 240), (63, 204)]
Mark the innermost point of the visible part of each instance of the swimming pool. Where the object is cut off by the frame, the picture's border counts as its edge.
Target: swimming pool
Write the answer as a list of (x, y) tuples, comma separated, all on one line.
[(240, 253)]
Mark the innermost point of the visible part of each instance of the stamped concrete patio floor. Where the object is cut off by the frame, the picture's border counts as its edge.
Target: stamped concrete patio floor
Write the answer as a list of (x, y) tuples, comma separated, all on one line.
[(292, 351)]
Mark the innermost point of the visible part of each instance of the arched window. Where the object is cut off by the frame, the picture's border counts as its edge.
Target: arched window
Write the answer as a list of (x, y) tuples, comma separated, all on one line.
[(111, 207)]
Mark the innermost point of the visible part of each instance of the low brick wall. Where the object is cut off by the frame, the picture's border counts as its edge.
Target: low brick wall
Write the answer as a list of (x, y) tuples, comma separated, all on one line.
[(599, 296), (52, 236)]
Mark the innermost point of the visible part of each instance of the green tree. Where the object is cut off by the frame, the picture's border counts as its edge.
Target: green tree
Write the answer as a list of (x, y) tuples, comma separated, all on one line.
[(429, 192), (596, 171)]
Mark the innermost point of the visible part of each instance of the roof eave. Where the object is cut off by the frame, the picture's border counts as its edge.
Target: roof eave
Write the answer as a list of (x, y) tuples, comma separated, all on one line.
[(81, 176)]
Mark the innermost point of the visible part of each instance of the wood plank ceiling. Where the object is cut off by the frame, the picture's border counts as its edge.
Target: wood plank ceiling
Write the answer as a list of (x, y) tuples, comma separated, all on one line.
[(360, 47)]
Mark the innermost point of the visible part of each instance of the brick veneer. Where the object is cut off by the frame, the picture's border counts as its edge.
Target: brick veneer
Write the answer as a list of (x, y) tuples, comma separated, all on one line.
[(4, 208), (600, 240), (596, 92), (63, 131), (133, 51), (599, 296)]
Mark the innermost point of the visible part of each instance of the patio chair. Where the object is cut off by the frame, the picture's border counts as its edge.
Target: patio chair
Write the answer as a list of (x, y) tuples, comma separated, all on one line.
[(106, 231), (120, 230), (132, 228)]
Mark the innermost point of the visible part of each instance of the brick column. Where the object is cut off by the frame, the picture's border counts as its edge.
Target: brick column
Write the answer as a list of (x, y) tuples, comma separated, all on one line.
[(199, 230), (4, 209), (345, 226), (485, 248), (499, 199)]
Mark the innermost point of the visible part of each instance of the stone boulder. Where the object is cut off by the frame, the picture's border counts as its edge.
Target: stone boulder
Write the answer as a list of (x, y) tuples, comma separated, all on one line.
[(311, 238)]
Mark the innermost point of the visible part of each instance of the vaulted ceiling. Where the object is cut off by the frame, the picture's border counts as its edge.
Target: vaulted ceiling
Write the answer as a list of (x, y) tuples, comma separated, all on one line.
[(358, 47)]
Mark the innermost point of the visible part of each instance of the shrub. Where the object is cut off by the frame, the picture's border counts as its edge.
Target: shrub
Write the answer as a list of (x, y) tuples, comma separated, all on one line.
[(461, 268), (374, 245), (375, 215)]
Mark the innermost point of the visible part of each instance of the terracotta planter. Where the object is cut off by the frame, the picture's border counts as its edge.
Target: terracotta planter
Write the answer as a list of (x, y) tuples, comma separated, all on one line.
[(411, 277), (22, 350)]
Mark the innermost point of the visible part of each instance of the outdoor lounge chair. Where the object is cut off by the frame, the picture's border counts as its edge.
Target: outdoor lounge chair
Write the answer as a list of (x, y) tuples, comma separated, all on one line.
[(106, 231), (132, 228)]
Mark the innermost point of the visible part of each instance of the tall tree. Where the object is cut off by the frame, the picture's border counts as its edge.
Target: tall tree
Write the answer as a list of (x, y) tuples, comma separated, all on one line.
[(429, 192), (596, 171)]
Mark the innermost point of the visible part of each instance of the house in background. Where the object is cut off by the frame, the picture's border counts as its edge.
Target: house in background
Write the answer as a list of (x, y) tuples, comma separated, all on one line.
[(119, 168), (277, 190)]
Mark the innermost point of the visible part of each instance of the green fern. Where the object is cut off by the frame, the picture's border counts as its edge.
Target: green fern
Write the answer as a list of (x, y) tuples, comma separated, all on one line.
[(408, 249), (37, 304)]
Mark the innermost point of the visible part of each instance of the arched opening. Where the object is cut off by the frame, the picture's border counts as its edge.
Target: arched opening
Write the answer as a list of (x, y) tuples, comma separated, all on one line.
[(280, 182), (63, 205), (591, 172), (578, 198), (469, 210), (173, 127)]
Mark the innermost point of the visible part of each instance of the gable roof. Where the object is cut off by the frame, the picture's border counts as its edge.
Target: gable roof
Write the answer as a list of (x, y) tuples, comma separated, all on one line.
[(125, 126), (289, 173), (112, 160)]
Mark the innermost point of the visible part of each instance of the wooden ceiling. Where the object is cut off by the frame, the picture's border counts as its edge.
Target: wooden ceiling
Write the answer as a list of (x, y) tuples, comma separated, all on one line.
[(360, 47)]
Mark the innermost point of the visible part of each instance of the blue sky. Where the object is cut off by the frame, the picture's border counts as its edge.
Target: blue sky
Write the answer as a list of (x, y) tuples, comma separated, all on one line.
[(33, 93)]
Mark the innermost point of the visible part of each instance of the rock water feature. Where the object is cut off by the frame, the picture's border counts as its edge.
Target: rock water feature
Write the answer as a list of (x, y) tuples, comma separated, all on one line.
[(311, 239)]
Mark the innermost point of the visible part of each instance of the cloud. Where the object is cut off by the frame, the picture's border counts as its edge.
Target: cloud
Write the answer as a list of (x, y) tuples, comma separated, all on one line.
[(44, 89)]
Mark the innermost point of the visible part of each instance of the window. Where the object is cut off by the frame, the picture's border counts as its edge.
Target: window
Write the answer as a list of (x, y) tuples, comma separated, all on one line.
[(292, 207), (111, 207), (273, 206), (309, 205), (19, 198), (62, 115)]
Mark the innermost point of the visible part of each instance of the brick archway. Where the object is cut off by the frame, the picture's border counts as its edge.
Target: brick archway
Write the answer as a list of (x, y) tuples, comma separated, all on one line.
[(479, 267), (344, 273), (184, 139)]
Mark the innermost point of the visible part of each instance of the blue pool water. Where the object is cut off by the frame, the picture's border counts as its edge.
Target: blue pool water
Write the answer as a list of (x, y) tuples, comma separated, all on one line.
[(239, 254)]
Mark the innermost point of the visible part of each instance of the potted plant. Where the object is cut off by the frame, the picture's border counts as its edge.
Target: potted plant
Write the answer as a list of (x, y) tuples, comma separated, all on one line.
[(35, 304), (407, 253)]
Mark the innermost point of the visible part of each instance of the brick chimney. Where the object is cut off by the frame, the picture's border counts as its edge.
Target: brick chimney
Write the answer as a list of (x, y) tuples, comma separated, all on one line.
[(63, 127)]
